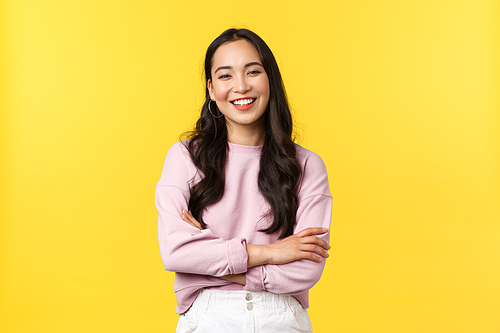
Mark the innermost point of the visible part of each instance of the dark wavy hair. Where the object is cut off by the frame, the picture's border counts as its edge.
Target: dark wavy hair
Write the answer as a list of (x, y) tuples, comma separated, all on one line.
[(280, 171)]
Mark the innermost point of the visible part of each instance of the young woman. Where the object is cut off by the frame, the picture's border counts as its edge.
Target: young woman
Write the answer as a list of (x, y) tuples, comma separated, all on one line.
[(243, 211)]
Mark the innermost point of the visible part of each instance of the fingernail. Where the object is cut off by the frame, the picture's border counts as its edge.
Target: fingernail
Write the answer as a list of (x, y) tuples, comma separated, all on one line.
[(325, 229)]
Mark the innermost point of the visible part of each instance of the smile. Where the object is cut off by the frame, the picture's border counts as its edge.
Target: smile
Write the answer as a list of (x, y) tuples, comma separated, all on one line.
[(243, 102)]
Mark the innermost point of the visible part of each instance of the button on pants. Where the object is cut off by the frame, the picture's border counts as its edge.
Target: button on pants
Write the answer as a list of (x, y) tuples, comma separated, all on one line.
[(244, 311)]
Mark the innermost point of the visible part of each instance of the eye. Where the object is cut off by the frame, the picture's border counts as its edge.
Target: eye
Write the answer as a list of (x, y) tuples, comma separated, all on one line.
[(255, 71), (224, 76)]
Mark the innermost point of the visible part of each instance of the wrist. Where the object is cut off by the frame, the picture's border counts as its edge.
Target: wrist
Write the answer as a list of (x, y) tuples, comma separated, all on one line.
[(257, 255)]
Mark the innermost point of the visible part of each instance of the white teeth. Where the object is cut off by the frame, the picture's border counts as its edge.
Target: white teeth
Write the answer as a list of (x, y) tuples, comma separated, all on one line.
[(244, 102)]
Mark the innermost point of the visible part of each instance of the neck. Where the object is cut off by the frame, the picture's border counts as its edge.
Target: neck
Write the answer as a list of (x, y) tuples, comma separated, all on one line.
[(245, 136)]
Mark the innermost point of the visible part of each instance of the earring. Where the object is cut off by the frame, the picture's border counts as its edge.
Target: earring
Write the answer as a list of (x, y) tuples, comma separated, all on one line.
[(211, 110)]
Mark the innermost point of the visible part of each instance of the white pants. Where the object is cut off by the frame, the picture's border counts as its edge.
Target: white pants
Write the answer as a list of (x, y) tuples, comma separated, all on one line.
[(244, 311)]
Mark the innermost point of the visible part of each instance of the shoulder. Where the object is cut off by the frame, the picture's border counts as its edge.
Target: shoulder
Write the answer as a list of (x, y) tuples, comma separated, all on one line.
[(314, 174), (177, 165), (309, 159), (178, 150)]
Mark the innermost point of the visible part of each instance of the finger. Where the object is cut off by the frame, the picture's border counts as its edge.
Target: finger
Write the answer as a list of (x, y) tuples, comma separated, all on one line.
[(312, 231), (311, 256), (188, 217), (193, 222), (185, 216), (192, 219), (316, 240), (314, 249)]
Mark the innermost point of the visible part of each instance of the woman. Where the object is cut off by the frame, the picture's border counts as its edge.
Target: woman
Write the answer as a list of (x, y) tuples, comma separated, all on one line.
[(243, 211)]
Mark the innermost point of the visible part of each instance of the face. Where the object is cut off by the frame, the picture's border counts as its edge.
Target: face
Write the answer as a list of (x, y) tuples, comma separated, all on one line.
[(239, 85)]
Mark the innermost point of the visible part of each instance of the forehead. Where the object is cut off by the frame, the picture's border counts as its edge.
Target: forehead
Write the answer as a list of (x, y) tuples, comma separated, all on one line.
[(235, 54)]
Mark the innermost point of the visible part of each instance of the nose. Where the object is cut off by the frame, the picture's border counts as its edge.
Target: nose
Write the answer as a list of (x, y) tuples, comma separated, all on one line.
[(241, 84)]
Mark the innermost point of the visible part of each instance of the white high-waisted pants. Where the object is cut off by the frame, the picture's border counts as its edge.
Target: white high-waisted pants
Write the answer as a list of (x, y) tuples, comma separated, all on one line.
[(224, 311)]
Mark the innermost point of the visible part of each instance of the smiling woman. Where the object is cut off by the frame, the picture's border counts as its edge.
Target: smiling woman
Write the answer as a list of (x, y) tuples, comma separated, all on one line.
[(244, 212), (240, 88)]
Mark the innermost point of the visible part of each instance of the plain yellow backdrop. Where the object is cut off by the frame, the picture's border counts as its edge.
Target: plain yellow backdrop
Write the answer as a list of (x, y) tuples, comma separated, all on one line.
[(400, 98)]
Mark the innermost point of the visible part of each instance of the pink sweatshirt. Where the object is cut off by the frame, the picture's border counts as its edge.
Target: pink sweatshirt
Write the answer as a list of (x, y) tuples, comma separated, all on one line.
[(198, 257)]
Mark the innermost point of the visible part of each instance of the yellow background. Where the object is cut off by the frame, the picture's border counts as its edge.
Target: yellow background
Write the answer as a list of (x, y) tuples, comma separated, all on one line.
[(400, 98)]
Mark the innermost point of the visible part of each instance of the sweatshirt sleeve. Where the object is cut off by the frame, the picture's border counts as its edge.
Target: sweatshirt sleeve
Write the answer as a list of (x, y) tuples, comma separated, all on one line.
[(184, 248), (315, 210)]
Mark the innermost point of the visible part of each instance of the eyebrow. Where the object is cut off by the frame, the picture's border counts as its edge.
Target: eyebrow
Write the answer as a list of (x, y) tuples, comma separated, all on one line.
[(247, 65)]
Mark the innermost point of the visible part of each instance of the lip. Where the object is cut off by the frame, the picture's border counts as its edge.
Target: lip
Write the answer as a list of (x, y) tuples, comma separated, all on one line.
[(243, 107)]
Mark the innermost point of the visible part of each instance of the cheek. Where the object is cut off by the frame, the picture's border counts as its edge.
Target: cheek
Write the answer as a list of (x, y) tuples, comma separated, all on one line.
[(220, 92), (263, 86)]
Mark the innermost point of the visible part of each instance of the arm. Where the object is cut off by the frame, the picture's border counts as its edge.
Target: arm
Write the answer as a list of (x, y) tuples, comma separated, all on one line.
[(300, 275), (303, 245), (315, 209), (184, 248)]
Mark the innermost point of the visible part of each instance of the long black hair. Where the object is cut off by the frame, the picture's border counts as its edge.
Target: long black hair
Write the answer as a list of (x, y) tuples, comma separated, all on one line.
[(280, 171)]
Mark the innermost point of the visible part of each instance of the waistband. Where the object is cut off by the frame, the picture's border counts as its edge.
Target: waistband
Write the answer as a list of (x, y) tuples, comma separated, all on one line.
[(240, 300)]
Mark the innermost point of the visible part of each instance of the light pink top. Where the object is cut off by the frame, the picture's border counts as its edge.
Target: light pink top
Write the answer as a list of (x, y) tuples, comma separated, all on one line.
[(198, 256)]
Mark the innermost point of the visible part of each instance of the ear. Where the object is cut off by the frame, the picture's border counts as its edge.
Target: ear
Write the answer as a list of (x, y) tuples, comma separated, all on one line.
[(210, 89)]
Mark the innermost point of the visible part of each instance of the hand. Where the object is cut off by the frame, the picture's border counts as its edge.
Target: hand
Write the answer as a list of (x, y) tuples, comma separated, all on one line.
[(302, 245), (187, 217)]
